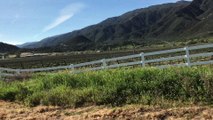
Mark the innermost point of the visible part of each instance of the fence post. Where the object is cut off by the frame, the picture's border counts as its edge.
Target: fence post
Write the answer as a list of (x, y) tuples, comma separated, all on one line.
[(72, 67), (0, 73), (18, 72), (3, 57), (187, 56), (104, 64), (142, 59)]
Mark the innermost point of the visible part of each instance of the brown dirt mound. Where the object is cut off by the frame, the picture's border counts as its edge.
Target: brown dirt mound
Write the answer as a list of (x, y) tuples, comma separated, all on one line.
[(13, 111)]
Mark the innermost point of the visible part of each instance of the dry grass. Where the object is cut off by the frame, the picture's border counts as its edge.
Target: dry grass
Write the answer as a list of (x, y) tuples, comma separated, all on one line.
[(19, 77), (13, 111)]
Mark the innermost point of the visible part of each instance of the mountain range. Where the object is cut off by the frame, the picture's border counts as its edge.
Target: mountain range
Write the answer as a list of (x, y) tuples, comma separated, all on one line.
[(7, 48), (166, 22)]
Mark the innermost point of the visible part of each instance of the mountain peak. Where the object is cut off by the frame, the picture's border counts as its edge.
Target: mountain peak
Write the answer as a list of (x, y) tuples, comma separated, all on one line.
[(183, 2), (181, 20)]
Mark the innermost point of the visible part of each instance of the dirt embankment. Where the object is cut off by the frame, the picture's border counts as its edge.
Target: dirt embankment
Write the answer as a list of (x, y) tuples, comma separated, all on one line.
[(13, 111)]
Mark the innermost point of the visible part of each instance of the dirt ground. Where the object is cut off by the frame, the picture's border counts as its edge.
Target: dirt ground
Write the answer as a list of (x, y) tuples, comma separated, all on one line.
[(14, 111)]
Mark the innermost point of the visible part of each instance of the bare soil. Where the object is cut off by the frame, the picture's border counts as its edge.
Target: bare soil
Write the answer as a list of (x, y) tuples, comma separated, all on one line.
[(14, 111)]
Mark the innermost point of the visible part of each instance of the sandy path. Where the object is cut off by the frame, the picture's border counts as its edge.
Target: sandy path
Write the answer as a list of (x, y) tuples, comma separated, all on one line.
[(13, 111)]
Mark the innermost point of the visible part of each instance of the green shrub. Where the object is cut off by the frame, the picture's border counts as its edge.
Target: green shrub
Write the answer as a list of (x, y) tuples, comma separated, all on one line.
[(114, 87)]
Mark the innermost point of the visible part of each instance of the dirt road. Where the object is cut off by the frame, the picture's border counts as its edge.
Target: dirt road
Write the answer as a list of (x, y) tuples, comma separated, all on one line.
[(13, 111)]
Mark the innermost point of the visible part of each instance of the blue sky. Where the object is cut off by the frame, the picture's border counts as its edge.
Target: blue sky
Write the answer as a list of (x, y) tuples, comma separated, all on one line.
[(32, 20)]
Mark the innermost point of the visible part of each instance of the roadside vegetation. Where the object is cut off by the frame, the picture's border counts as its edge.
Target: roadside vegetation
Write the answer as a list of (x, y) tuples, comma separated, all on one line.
[(146, 86)]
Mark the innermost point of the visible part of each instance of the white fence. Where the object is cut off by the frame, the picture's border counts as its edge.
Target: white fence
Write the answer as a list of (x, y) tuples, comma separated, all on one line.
[(138, 59)]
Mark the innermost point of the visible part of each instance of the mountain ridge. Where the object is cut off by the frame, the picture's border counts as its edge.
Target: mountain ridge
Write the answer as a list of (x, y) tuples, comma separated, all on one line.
[(174, 21), (4, 48)]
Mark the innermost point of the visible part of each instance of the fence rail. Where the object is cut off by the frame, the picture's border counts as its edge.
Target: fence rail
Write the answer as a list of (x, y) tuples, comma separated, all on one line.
[(141, 60)]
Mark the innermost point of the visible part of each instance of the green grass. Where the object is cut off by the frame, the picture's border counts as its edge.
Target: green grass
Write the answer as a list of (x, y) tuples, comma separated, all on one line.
[(147, 86)]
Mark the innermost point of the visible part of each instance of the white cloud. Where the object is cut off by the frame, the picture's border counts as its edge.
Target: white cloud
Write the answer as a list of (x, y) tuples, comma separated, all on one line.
[(37, 35), (57, 22), (12, 42), (64, 15)]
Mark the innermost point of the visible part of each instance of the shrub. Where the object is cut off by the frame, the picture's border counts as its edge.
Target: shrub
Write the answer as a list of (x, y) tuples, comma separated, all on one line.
[(114, 87)]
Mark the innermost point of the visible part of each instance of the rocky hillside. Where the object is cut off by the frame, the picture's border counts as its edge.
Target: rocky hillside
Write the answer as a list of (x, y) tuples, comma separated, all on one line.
[(173, 21), (7, 48)]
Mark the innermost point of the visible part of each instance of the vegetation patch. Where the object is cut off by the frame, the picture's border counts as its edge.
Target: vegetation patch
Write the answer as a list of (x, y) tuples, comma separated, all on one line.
[(147, 86)]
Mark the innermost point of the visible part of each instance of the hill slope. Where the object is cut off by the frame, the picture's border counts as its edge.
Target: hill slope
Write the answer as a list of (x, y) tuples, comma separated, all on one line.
[(173, 21), (7, 48)]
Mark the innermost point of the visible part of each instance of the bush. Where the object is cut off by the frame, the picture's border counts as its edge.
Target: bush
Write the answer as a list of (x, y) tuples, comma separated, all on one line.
[(114, 87)]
